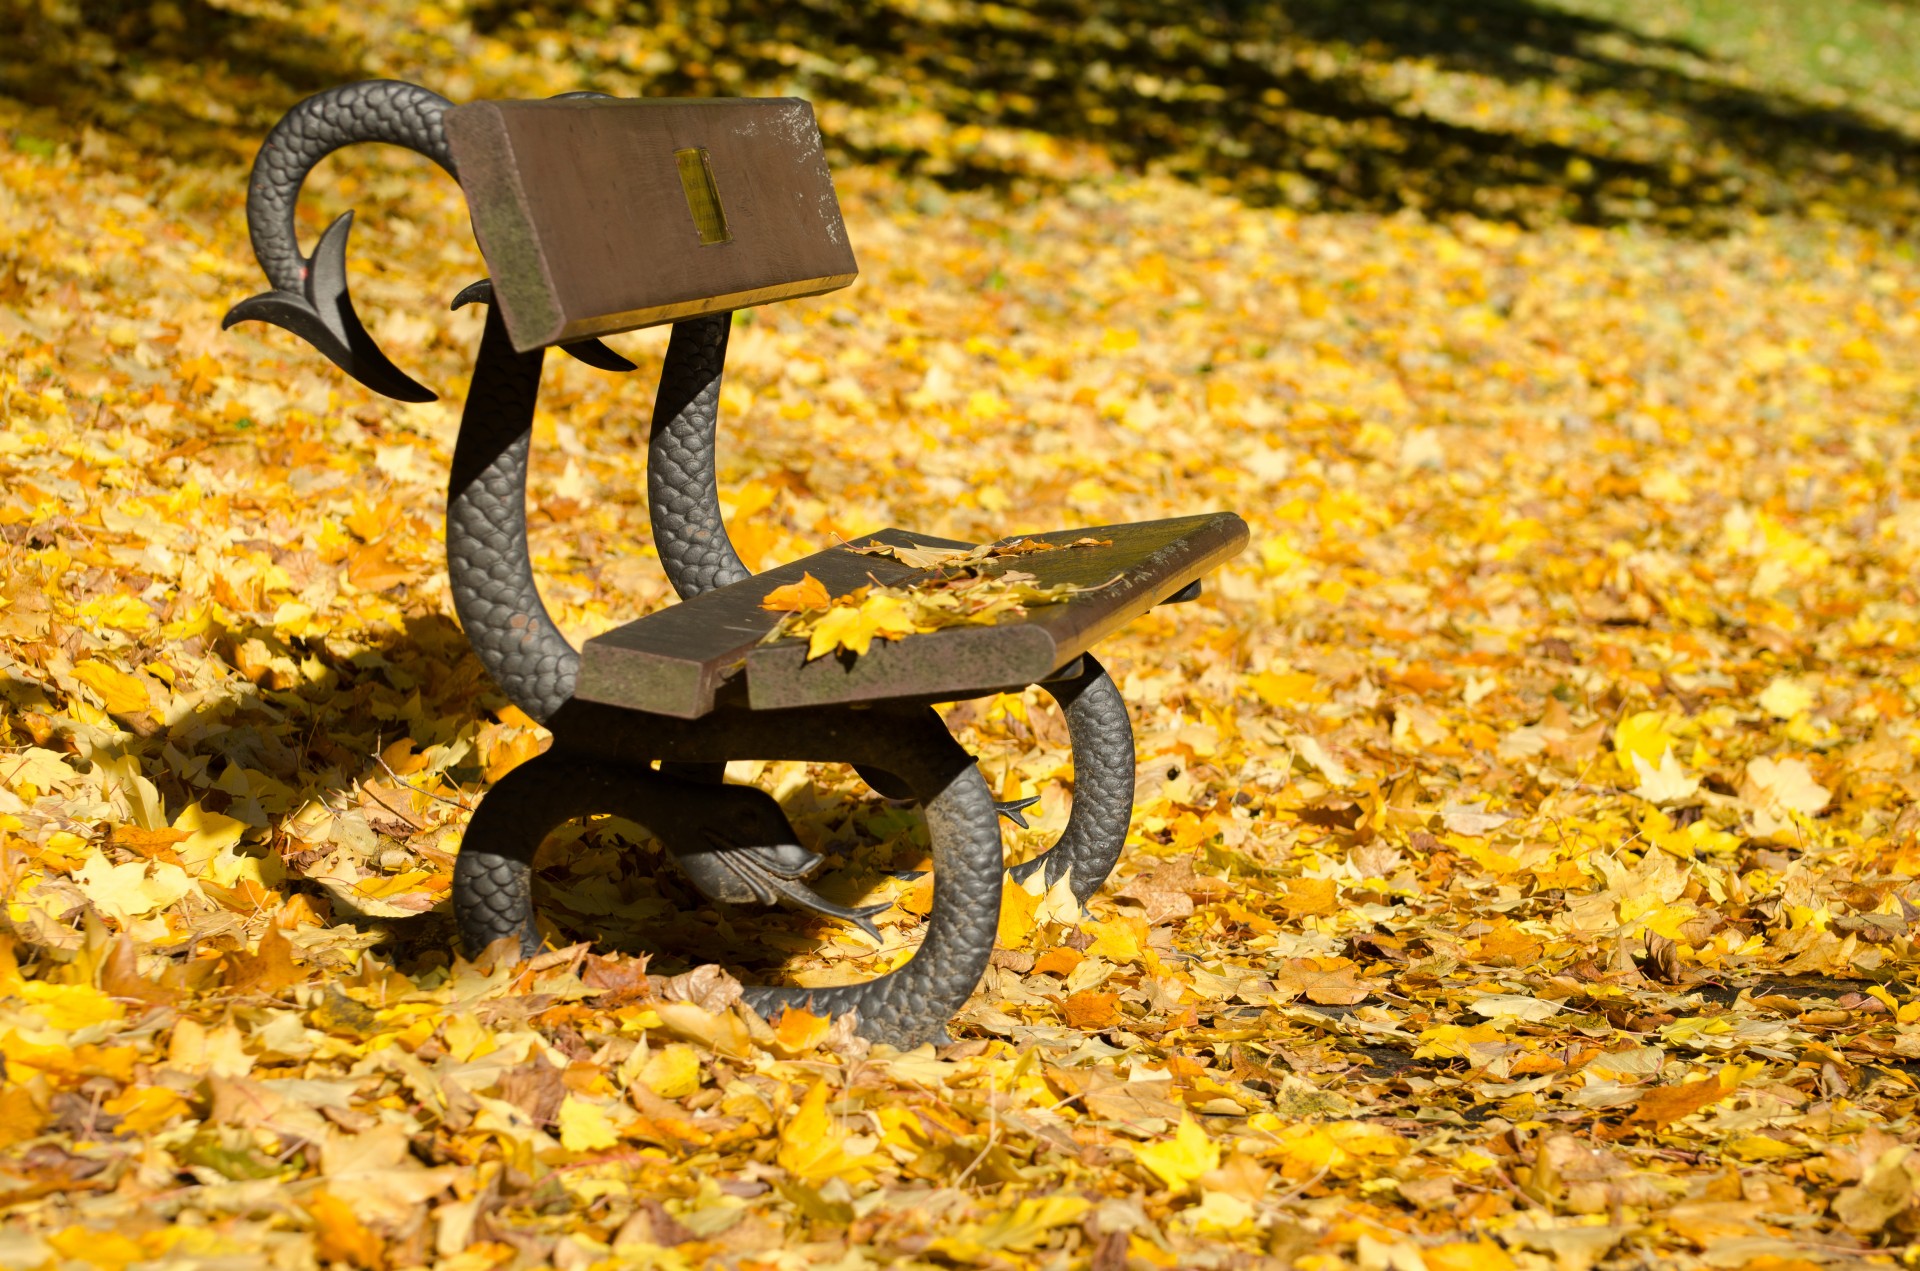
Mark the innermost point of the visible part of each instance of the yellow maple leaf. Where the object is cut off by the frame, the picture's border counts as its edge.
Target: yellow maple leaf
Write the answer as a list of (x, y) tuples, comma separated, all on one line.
[(126, 892), (1450, 1041), (672, 1071), (855, 628), (1118, 939), (1644, 734), (1307, 1150), (584, 1127), (68, 1006), (121, 693), (1311, 897), (145, 1109), (1179, 1161), (208, 834), (1286, 688), (1017, 904), (1468, 1255), (1786, 697), (1014, 1230), (121, 612), (813, 1146)]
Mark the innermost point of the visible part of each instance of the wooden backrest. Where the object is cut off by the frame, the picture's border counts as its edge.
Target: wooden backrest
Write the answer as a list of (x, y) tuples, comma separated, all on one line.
[(602, 215)]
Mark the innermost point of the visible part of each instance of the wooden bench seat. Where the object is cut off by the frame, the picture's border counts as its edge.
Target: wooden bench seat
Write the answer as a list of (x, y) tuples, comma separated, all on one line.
[(677, 661)]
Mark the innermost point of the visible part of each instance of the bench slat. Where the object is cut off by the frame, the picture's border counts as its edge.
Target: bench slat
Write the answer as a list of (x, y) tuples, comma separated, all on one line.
[(1148, 562), (602, 215), (676, 661), (673, 662)]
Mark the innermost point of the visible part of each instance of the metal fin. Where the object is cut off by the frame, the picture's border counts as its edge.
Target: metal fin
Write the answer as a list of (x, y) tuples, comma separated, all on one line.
[(324, 317), (474, 293), (1013, 808), (801, 896), (597, 355), (594, 353), (733, 871)]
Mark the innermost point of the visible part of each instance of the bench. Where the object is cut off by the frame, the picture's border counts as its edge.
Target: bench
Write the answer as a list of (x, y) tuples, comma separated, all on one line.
[(597, 216)]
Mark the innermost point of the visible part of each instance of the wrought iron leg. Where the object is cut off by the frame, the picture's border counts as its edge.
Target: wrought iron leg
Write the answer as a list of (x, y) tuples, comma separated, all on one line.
[(1102, 741), (488, 560), (683, 495)]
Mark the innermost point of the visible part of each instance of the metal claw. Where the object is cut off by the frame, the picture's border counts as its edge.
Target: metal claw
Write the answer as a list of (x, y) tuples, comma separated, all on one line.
[(593, 352), (766, 873), (801, 896), (323, 316), (1013, 808), (474, 293)]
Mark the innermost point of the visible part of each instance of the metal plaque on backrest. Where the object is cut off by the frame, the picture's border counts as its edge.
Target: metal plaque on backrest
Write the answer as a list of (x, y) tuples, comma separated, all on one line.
[(602, 215)]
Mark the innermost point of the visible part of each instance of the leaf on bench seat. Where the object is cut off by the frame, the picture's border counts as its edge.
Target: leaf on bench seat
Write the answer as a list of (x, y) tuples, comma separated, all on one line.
[(932, 557), (808, 593), (852, 622)]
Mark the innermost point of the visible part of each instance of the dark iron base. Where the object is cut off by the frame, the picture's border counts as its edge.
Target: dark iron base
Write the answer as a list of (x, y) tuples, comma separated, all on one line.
[(599, 764)]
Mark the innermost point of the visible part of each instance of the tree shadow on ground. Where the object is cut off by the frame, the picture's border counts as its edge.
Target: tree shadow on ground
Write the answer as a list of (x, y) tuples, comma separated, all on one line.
[(179, 78), (1502, 108), (1509, 109)]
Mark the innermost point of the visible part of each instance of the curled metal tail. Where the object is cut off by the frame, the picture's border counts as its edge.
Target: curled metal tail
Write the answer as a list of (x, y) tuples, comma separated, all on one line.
[(309, 296)]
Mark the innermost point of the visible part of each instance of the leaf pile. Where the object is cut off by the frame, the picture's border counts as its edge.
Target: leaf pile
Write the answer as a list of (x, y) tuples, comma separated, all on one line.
[(1525, 866)]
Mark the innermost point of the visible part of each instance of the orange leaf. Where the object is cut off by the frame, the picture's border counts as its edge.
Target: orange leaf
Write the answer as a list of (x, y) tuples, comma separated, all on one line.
[(372, 568), (1091, 1009), (400, 758), (152, 844), (1310, 897), (21, 1117), (808, 593), (1328, 981), (120, 976), (797, 1030), (509, 753), (1060, 960), (340, 1236), (1663, 1105), (267, 971)]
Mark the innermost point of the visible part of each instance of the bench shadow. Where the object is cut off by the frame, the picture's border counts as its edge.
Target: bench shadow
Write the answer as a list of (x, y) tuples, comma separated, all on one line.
[(321, 739)]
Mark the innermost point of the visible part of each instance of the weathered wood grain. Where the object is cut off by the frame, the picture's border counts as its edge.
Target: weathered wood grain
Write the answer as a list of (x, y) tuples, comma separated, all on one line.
[(680, 660), (601, 215)]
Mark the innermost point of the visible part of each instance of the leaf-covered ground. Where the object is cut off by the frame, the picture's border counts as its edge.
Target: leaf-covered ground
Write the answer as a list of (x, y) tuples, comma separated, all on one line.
[(1524, 863)]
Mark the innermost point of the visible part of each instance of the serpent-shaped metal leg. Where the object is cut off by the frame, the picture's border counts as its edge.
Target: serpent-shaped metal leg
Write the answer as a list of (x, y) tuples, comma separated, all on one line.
[(488, 562), (691, 536), (1101, 737), (597, 765), (309, 296), (683, 493), (500, 608)]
